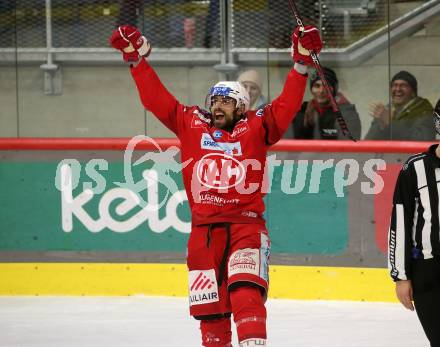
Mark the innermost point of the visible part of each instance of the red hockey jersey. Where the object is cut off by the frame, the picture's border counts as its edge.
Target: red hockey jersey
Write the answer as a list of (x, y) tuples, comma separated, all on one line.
[(224, 179)]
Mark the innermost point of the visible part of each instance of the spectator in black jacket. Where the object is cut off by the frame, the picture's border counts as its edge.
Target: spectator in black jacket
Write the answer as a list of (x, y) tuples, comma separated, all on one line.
[(316, 119)]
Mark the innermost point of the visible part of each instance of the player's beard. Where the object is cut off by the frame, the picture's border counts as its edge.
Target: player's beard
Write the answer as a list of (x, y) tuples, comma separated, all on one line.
[(223, 121)]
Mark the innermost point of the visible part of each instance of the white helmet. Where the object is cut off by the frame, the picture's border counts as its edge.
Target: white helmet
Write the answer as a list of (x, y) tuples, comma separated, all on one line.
[(232, 89)]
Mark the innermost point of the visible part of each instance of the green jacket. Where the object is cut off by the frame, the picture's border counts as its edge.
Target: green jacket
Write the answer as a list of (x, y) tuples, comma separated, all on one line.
[(414, 123)]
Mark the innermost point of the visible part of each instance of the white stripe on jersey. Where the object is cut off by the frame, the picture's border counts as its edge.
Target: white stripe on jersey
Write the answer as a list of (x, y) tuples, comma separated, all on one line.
[(421, 174), (415, 219), (400, 241), (426, 203), (437, 174)]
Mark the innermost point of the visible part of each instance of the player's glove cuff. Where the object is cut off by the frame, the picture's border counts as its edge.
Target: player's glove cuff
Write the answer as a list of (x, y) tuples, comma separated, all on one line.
[(301, 68), (145, 49)]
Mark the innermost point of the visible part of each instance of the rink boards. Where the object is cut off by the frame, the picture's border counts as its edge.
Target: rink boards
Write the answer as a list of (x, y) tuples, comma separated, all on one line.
[(72, 228), (286, 282)]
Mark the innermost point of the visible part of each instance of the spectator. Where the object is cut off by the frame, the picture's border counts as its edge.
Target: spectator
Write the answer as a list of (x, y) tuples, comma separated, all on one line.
[(409, 117), (317, 120), (251, 81)]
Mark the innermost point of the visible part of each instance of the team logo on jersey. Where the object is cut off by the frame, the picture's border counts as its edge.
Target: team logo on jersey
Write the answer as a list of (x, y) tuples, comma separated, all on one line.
[(229, 148), (244, 261), (217, 200), (240, 129), (197, 123), (220, 171), (203, 287), (199, 120), (217, 134), (249, 214), (203, 115), (260, 112)]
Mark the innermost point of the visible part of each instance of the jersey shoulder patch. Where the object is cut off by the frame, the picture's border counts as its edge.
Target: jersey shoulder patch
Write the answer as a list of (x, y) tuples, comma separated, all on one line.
[(259, 112), (200, 119), (203, 114), (241, 128)]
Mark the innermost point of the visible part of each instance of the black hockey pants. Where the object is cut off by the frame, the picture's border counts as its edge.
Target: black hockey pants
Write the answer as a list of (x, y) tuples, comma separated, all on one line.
[(426, 291)]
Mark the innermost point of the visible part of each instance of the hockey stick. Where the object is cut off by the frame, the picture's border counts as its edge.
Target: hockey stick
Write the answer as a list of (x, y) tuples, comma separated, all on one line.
[(341, 121)]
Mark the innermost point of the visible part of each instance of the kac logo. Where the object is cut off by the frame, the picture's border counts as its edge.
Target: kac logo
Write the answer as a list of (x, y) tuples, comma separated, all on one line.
[(220, 171), (217, 134)]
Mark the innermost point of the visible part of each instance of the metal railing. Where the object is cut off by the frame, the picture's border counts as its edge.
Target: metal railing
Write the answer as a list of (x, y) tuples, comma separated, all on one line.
[(222, 33)]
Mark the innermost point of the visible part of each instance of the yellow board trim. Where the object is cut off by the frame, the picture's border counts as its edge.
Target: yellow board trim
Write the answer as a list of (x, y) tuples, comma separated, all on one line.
[(287, 282)]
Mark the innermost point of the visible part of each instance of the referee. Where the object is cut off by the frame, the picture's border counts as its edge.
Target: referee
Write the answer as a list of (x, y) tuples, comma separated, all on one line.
[(414, 237)]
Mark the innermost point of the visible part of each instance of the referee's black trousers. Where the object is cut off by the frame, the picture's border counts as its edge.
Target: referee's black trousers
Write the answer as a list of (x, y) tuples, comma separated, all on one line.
[(426, 292)]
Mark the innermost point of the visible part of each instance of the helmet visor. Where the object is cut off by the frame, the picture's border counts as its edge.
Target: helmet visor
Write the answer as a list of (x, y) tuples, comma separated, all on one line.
[(212, 100)]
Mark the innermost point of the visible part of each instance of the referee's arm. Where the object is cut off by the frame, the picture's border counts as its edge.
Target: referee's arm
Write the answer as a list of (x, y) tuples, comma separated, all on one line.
[(402, 220)]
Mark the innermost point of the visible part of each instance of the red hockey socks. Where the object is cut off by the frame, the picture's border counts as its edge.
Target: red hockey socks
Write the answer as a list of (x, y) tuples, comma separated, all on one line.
[(216, 332), (249, 312)]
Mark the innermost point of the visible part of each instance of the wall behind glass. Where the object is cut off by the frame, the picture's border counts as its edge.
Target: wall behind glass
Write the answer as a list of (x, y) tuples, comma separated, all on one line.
[(83, 89), (8, 72)]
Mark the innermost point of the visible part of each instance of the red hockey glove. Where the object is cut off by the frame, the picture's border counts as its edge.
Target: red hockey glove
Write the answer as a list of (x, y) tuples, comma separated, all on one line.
[(130, 42), (305, 41)]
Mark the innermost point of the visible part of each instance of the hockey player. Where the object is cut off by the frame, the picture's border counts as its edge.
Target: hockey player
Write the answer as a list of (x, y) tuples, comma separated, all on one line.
[(228, 248)]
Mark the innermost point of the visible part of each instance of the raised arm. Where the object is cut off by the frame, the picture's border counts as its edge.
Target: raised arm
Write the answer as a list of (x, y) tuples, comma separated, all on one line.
[(155, 97), (279, 114), (153, 94)]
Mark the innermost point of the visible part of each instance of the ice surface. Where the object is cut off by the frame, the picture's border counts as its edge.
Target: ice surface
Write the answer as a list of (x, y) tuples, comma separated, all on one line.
[(164, 321)]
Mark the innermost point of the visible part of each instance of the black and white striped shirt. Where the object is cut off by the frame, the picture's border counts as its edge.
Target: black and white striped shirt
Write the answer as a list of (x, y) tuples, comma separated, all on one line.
[(414, 231)]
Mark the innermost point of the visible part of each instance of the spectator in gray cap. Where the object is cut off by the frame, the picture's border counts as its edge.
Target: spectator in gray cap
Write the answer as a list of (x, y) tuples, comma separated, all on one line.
[(408, 118), (317, 120), (251, 81)]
